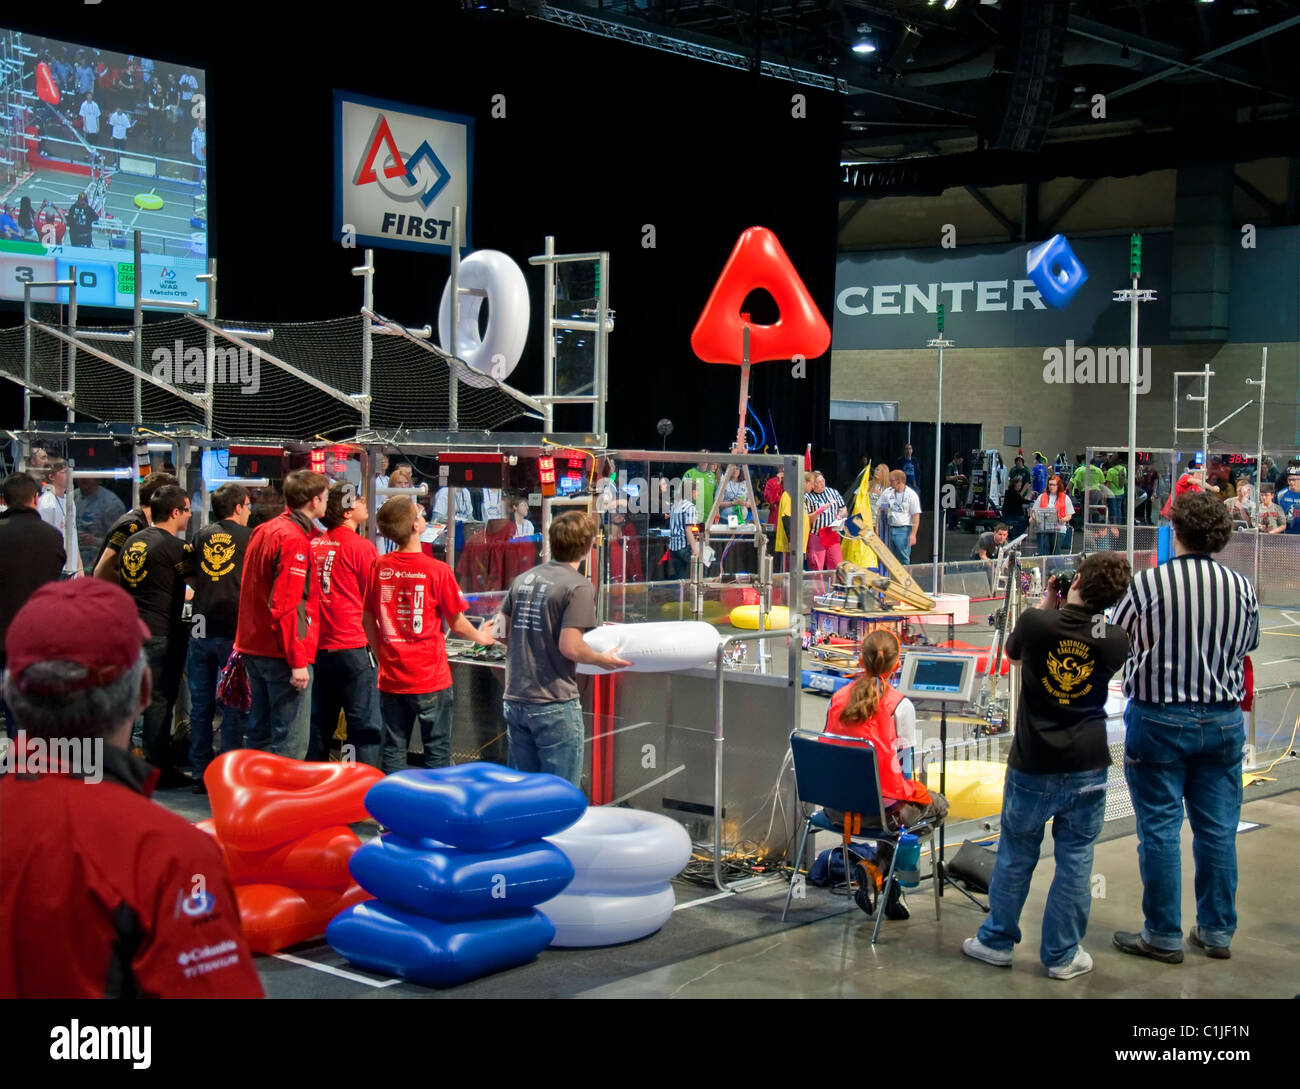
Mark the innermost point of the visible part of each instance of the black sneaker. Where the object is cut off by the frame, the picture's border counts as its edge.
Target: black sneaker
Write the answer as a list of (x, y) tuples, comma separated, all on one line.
[(1126, 942), (895, 904), (862, 895)]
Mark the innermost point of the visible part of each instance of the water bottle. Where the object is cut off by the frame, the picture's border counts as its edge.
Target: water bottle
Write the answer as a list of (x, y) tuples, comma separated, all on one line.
[(909, 859)]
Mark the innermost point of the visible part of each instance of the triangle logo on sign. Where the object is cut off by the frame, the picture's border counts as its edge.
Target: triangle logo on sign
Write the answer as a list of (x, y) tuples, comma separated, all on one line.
[(381, 136), (759, 261)]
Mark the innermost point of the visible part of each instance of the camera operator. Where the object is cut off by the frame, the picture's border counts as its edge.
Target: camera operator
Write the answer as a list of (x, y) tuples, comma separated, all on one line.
[(1056, 769)]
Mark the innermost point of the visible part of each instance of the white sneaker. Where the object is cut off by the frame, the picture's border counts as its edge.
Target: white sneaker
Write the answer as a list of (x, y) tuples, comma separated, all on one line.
[(1082, 963), (999, 958)]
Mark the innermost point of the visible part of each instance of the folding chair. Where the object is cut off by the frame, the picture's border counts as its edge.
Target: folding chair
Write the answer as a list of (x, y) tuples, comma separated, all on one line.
[(842, 773)]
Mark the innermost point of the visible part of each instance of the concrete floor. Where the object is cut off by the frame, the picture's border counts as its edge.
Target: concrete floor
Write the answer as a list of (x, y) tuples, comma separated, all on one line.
[(922, 958)]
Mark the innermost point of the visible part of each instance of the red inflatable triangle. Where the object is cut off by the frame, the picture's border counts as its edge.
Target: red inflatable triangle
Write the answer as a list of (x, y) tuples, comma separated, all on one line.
[(759, 261), (382, 136)]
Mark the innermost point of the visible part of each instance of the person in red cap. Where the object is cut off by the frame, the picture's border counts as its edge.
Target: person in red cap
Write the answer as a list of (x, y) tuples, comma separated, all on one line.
[(278, 628), (108, 895)]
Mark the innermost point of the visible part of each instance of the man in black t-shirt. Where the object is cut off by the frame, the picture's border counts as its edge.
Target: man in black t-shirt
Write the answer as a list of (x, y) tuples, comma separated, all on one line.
[(132, 522), (218, 562), (1057, 766), (152, 568), (81, 217)]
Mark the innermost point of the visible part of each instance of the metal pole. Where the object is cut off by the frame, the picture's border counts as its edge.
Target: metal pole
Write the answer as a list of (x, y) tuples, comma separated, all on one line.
[(548, 342), (138, 329), (453, 384), (27, 370), (1205, 430), (744, 388), (938, 473), (1259, 457), (72, 348), (602, 346), (367, 341), (210, 352), (1132, 414)]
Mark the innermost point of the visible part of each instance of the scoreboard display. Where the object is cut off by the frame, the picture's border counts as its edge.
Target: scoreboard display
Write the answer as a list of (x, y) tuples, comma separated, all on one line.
[(104, 277), (86, 165)]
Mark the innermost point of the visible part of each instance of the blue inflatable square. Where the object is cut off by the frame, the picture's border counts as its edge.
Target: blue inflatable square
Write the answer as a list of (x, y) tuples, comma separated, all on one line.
[(479, 807), (1055, 270), (379, 938), (428, 878)]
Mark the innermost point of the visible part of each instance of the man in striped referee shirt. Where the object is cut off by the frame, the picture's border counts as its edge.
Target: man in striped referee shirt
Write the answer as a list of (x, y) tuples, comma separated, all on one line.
[(1190, 623)]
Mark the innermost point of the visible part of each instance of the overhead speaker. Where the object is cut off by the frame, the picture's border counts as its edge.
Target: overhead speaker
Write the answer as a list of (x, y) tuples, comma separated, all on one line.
[(1028, 69)]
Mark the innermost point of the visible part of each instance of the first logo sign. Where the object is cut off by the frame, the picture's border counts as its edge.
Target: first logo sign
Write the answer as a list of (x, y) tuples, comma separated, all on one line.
[(399, 170)]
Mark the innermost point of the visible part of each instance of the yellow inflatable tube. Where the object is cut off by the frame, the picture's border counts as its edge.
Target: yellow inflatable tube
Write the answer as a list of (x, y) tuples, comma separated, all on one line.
[(746, 616)]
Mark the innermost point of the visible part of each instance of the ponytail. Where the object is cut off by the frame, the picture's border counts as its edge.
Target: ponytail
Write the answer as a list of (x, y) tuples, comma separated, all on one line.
[(879, 655)]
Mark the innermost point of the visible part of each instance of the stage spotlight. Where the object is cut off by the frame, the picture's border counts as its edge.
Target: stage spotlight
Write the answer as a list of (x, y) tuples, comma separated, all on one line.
[(865, 43)]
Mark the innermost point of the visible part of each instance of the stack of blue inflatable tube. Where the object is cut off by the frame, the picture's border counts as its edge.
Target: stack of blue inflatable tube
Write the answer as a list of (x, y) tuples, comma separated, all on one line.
[(459, 873)]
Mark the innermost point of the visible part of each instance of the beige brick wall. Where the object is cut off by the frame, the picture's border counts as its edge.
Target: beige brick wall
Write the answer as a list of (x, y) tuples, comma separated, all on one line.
[(1000, 387)]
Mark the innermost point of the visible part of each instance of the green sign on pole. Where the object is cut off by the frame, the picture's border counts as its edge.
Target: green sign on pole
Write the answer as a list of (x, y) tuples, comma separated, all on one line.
[(1135, 256), (940, 318)]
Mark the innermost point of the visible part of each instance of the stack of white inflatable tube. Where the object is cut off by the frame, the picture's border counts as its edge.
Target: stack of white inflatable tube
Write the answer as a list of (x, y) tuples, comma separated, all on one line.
[(623, 860)]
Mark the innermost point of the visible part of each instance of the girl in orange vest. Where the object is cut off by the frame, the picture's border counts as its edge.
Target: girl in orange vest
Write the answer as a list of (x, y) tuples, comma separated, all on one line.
[(872, 710)]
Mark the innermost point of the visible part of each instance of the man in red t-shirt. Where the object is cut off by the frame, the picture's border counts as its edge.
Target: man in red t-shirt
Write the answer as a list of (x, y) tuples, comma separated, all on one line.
[(343, 564), (410, 597)]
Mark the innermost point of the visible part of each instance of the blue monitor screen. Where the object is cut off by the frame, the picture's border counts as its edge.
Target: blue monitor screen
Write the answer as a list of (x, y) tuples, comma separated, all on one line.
[(938, 675), (129, 135)]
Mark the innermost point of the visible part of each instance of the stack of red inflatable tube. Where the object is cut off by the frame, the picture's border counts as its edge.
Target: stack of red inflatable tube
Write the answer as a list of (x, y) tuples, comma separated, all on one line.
[(282, 826)]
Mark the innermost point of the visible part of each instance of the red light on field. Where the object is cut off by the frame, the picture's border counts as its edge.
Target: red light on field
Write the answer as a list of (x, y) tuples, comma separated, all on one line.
[(546, 474)]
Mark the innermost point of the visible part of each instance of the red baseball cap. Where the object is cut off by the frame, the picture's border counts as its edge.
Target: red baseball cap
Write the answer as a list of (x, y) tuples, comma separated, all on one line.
[(86, 620)]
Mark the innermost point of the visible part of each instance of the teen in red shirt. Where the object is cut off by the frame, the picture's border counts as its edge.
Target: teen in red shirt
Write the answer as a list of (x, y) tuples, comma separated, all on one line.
[(874, 711), (343, 564), (411, 595), (279, 623)]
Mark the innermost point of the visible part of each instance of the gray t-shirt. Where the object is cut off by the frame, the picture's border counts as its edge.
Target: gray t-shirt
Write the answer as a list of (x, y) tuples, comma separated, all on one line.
[(542, 602)]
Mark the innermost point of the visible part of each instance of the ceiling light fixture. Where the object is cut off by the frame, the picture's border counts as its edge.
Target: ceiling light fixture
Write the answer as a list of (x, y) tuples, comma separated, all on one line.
[(865, 43)]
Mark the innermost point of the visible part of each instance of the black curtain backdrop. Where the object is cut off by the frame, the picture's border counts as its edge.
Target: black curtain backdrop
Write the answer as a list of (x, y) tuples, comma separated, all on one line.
[(880, 441), (600, 139)]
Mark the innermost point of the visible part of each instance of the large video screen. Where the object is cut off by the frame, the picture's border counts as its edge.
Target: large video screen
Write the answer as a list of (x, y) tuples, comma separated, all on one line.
[(97, 145)]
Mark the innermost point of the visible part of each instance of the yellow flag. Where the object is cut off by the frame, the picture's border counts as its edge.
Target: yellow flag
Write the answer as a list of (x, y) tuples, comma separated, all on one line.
[(858, 551)]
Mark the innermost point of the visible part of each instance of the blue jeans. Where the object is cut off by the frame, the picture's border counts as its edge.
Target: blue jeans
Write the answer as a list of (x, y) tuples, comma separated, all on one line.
[(1115, 508), (205, 662), (1178, 754), (401, 711), (898, 543), (347, 681), (280, 718), (546, 737), (1075, 803), (1052, 544)]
